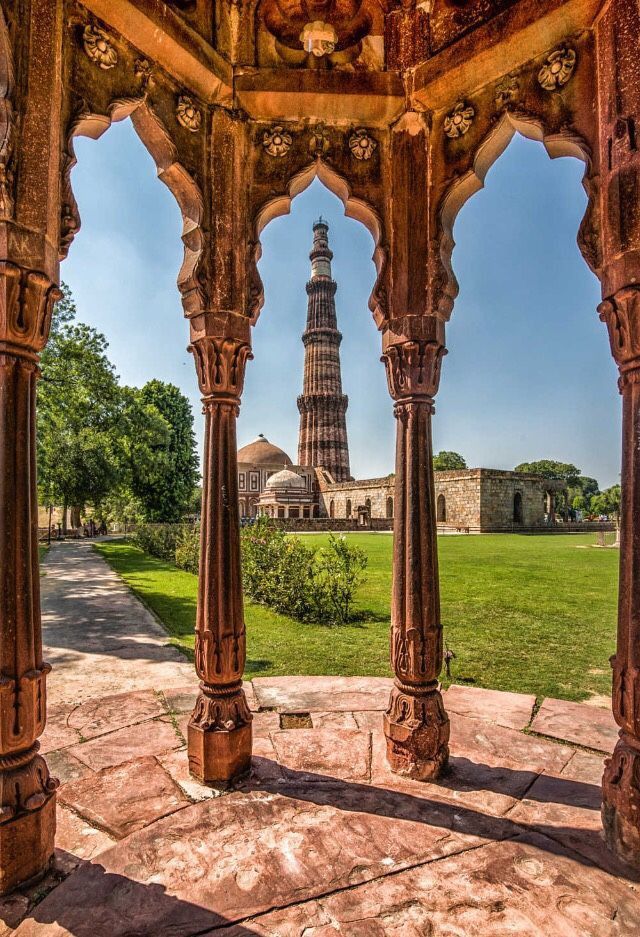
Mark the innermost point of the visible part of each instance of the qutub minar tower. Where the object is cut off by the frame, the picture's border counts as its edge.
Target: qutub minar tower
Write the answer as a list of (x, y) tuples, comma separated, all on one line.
[(323, 429)]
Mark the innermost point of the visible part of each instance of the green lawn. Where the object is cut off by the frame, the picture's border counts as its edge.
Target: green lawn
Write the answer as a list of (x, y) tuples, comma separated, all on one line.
[(530, 614)]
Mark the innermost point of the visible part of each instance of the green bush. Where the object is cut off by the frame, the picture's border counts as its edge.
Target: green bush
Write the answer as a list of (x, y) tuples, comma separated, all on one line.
[(157, 540), (277, 570), (187, 550)]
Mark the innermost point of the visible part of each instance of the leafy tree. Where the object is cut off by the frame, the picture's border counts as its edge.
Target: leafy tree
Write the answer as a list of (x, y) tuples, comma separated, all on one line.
[(165, 473), (448, 462), (548, 468), (607, 502), (78, 408)]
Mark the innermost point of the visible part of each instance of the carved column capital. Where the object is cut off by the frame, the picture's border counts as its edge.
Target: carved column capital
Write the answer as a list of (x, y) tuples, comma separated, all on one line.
[(621, 314), (26, 304), (413, 369), (220, 366)]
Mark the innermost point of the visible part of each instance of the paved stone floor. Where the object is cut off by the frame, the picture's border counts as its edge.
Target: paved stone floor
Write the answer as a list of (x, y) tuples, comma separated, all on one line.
[(322, 839)]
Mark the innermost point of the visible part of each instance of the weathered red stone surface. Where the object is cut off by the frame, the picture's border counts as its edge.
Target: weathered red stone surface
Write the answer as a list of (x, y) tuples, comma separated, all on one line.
[(124, 798), (562, 719), (149, 738), (314, 753), (512, 710), (309, 824), (108, 713)]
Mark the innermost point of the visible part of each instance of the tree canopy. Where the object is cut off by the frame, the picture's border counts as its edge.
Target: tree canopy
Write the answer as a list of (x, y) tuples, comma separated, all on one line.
[(104, 444), (549, 468), (448, 461)]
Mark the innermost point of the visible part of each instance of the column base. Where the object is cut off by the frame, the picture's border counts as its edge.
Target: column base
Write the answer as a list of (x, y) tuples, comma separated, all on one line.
[(416, 726), (621, 801), (26, 845), (220, 735)]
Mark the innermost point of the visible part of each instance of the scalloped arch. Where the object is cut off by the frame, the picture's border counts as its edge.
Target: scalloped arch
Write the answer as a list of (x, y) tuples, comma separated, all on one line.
[(565, 143), (171, 172), (353, 208)]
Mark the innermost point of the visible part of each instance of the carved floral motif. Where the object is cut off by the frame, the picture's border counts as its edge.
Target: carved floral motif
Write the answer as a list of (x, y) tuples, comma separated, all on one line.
[(507, 91), (143, 70), (558, 68), (458, 122), (220, 365), (318, 38), (98, 47), (187, 114), (413, 368), (277, 141), (221, 712), (362, 144)]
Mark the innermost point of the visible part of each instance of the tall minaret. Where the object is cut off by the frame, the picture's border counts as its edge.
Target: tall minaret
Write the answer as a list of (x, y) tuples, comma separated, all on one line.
[(323, 430)]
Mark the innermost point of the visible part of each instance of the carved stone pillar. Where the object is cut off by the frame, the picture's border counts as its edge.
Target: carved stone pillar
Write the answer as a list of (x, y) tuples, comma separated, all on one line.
[(619, 113), (416, 724), (27, 793), (621, 781), (220, 728)]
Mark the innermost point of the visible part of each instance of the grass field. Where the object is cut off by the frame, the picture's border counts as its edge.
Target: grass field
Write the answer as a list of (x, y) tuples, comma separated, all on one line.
[(530, 614)]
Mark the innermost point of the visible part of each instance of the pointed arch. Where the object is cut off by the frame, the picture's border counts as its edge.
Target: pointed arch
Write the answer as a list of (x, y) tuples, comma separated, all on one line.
[(157, 141), (354, 207), (564, 143)]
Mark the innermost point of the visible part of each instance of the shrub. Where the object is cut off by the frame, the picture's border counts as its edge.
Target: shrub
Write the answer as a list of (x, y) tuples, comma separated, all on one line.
[(157, 540), (187, 550), (339, 572)]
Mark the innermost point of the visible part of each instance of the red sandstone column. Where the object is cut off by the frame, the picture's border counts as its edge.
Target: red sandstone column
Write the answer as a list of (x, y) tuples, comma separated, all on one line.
[(619, 115), (27, 793), (416, 724), (220, 727)]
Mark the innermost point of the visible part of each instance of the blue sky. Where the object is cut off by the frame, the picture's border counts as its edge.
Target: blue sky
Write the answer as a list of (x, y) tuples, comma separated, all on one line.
[(528, 374)]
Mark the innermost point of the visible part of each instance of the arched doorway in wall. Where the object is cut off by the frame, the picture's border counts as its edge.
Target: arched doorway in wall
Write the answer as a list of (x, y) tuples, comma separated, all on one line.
[(441, 509), (348, 508), (367, 505), (518, 511), (332, 508), (389, 508)]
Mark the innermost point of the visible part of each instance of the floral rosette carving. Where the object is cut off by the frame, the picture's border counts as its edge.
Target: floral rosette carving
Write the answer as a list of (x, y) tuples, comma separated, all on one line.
[(187, 114), (362, 144), (98, 47), (277, 141), (558, 69), (458, 122)]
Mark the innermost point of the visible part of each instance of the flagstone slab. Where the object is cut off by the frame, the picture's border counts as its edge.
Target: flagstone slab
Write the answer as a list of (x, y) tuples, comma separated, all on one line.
[(57, 732), (124, 798), (528, 886), (322, 694), (150, 738), (568, 811), (578, 723), (75, 835), (223, 860), (511, 710), (483, 743), (315, 754), (66, 767), (99, 716), (332, 720), (176, 764), (585, 766)]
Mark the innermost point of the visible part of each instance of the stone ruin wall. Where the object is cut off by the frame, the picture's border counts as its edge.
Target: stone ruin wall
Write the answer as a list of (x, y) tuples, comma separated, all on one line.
[(497, 497), (377, 490), (461, 491)]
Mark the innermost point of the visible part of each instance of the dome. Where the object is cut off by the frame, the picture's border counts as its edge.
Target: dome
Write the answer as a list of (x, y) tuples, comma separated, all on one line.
[(286, 479), (262, 452)]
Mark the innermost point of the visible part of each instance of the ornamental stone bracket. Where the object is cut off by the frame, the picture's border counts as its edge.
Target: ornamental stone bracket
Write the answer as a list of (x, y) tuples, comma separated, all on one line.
[(26, 307), (220, 365), (621, 314), (412, 352)]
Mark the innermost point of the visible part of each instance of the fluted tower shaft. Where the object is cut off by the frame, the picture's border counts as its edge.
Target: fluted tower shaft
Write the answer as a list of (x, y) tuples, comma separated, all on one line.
[(322, 442)]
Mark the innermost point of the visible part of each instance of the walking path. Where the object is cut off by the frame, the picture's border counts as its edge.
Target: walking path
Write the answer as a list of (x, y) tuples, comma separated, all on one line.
[(97, 636), (321, 840)]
